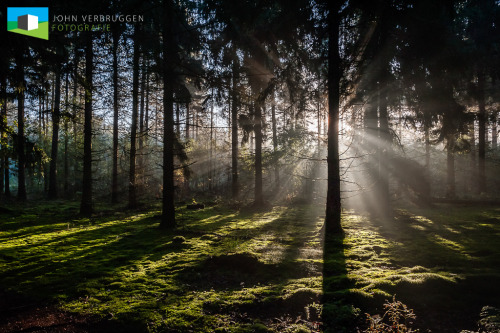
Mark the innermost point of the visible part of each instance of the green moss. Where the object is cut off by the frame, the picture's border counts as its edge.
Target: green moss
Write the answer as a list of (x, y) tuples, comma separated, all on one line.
[(230, 271), (123, 266)]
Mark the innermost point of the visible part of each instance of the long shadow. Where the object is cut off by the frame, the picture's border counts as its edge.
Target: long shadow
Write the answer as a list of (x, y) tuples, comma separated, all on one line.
[(90, 264), (52, 267), (99, 252), (233, 272), (339, 314), (291, 231), (457, 250), (35, 222)]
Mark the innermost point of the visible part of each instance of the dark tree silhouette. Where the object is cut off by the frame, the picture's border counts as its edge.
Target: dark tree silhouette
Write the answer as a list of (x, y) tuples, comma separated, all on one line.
[(333, 201), (56, 116), (234, 125), (114, 173), (169, 48), (86, 203), (21, 154), (132, 185)]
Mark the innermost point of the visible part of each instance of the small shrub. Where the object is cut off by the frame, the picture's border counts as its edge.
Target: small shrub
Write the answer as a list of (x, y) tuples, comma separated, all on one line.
[(396, 319)]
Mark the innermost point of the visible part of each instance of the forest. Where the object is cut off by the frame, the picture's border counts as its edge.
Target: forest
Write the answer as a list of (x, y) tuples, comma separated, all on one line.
[(250, 166)]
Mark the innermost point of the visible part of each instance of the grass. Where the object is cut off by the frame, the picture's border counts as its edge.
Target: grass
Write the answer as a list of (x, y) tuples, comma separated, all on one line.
[(200, 277), (443, 262), (253, 271)]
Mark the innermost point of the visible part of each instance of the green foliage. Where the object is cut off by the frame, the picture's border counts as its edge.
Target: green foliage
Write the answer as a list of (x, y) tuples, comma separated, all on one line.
[(397, 318)]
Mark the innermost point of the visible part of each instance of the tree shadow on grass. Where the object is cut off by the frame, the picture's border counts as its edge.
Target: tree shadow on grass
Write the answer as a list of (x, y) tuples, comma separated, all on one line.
[(442, 262), (127, 269), (339, 313), (266, 276), (108, 265)]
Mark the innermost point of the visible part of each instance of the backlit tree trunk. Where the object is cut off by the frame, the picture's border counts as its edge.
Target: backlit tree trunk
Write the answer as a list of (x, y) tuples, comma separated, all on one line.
[(234, 129), (385, 147), (259, 199), (275, 144), (3, 119), (86, 204), (141, 123), (472, 165), (66, 143), (74, 107), (450, 164), (114, 174), (168, 208), (132, 186), (56, 116), (21, 155), (333, 203), (494, 131), (482, 117), (187, 121)]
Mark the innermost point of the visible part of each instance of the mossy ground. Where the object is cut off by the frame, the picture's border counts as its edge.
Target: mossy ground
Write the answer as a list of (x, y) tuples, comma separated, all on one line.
[(243, 270)]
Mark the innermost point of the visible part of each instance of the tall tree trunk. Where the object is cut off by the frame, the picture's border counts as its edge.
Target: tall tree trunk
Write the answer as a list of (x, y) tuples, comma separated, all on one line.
[(145, 163), (56, 116), (234, 128), (259, 199), (41, 116), (74, 114), (132, 186), (156, 123), (494, 131), (482, 118), (450, 164), (427, 146), (5, 174), (318, 115), (3, 122), (385, 146), (7, 177), (51, 108), (210, 158), (21, 192), (41, 138), (169, 47), (376, 115), (333, 203), (141, 125), (41, 105), (196, 124), (146, 111), (473, 167), (86, 204), (114, 173), (177, 120), (275, 144), (187, 121), (66, 152)]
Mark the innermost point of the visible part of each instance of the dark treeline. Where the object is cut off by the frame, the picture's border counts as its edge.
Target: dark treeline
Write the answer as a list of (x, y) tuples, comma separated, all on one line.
[(258, 101)]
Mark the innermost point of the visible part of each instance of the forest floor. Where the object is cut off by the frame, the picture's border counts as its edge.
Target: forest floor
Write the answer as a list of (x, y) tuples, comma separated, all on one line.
[(225, 269)]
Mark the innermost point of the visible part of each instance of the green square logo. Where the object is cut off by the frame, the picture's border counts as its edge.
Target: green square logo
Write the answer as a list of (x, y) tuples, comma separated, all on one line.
[(29, 21)]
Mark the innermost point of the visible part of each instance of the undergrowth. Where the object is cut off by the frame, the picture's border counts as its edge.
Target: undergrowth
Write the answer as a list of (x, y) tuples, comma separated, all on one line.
[(229, 270), (397, 318)]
